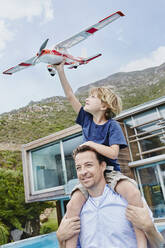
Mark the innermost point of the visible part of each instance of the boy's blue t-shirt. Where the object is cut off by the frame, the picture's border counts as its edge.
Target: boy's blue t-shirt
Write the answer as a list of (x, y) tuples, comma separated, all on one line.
[(110, 133)]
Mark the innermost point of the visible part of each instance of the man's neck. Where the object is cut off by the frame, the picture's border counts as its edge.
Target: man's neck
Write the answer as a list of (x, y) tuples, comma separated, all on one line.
[(97, 190)]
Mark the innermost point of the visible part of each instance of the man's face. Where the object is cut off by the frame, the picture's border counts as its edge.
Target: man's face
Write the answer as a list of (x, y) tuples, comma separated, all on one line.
[(89, 171)]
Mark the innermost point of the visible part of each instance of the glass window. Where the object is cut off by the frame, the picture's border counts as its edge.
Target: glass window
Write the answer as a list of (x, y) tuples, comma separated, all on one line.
[(162, 167), (128, 122), (144, 138), (149, 129), (153, 143), (135, 151), (152, 190), (145, 117), (162, 110), (69, 145), (47, 167)]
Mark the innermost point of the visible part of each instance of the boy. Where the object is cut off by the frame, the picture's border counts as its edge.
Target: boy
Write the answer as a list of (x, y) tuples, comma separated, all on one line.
[(103, 134)]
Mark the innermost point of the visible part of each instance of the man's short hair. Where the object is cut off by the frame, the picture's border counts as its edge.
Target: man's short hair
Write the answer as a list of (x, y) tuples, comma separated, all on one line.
[(84, 148)]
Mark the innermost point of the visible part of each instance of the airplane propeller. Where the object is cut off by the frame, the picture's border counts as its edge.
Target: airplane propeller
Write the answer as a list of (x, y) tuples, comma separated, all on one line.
[(43, 46), (40, 50)]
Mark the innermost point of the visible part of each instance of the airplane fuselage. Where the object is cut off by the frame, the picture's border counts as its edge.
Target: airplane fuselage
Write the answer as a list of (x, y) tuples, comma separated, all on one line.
[(51, 57), (54, 57)]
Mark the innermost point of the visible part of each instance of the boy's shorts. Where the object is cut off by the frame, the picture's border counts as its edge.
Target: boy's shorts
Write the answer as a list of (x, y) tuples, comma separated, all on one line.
[(112, 178)]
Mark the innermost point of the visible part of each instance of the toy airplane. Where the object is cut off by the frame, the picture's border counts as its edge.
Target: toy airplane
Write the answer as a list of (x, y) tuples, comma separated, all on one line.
[(59, 52)]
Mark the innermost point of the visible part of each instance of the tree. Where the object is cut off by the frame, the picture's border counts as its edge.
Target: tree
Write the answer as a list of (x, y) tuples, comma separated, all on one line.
[(14, 212), (4, 234)]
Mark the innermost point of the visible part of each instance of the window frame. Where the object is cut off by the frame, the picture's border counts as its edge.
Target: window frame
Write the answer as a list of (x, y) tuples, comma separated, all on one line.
[(157, 166), (53, 193), (135, 138)]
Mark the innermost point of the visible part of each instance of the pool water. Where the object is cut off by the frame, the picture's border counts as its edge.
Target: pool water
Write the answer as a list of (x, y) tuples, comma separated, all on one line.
[(46, 241)]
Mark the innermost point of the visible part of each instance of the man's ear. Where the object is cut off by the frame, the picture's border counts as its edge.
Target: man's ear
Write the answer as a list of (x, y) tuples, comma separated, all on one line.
[(104, 164)]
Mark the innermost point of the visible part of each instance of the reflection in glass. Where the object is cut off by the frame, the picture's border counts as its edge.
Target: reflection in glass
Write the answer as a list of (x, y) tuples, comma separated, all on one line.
[(145, 117), (144, 138), (162, 110), (149, 129), (128, 122), (135, 151), (162, 167), (69, 145), (47, 167), (152, 190), (153, 143)]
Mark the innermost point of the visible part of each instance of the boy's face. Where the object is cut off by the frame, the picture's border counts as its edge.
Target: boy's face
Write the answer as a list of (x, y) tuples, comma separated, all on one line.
[(93, 104)]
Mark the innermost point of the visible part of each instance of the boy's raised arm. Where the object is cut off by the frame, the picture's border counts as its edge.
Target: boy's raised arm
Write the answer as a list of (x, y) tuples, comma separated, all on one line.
[(76, 105)]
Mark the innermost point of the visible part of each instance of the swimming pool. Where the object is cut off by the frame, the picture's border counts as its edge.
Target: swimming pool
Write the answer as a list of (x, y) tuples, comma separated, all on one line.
[(46, 241)]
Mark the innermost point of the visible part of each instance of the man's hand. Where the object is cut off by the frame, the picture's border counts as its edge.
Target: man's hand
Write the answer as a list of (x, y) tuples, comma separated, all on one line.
[(68, 228), (139, 217)]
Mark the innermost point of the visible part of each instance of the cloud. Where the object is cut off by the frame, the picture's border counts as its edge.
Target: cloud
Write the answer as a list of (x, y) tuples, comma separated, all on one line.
[(13, 10), (5, 34), (155, 58), (120, 36), (17, 9)]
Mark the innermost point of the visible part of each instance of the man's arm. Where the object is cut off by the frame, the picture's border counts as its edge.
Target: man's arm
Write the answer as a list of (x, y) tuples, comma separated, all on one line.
[(76, 105), (67, 229), (141, 219)]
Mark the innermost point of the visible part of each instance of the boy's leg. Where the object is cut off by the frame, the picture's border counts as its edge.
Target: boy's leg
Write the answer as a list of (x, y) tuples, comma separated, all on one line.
[(127, 188), (133, 196), (73, 209)]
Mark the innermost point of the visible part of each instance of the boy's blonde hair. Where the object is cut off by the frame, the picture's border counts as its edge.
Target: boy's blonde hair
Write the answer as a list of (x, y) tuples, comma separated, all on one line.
[(112, 100)]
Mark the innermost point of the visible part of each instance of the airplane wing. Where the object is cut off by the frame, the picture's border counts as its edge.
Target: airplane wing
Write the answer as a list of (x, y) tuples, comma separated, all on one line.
[(88, 32), (21, 66)]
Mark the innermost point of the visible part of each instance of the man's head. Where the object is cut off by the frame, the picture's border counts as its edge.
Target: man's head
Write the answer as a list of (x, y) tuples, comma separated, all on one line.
[(90, 167), (107, 99)]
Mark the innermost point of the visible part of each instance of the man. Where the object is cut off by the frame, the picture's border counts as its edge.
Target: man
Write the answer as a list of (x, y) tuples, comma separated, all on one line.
[(103, 219)]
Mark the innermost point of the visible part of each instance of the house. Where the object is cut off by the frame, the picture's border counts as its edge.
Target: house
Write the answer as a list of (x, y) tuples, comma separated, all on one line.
[(48, 166)]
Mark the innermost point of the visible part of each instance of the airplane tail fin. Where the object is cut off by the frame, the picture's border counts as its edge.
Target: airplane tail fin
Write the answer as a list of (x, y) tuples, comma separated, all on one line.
[(84, 61), (92, 57)]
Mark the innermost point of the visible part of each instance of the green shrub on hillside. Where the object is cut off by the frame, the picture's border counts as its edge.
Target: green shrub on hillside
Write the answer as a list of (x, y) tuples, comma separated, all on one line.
[(11, 159)]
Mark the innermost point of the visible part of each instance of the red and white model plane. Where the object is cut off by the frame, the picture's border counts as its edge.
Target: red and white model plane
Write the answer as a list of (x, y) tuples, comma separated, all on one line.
[(59, 52)]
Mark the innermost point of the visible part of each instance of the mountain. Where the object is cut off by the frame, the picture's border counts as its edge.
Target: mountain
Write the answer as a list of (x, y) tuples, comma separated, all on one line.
[(121, 81), (50, 115)]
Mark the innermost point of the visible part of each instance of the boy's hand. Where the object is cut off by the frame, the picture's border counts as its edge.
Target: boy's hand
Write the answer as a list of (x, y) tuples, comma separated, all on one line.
[(60, 67), (89, 143), (139, 217)]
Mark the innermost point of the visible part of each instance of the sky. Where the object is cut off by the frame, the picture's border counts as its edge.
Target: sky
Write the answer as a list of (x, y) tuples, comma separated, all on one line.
[(133, 42)]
